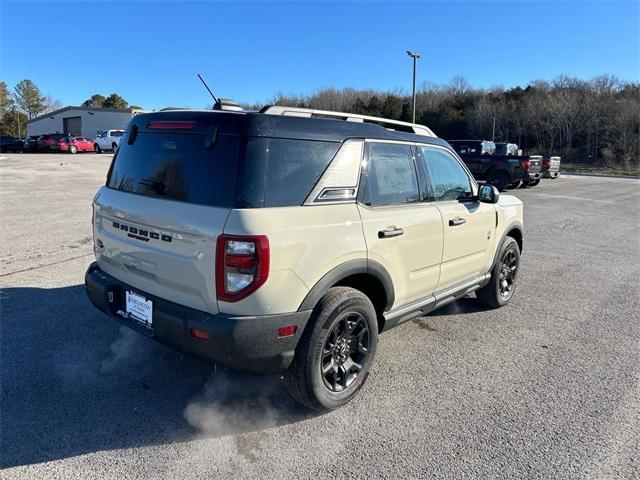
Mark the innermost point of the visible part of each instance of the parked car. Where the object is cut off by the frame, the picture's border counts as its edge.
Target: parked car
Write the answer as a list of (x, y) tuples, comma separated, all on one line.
[(31, 144), (534, 172), (46, 142), (73, 145), (550, 167), (282, 241), (108, 140), (11, 144), (503, 171)]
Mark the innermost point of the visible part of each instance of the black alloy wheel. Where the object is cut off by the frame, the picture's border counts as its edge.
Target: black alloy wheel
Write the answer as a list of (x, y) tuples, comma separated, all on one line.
[(345, 351), (508, 273)]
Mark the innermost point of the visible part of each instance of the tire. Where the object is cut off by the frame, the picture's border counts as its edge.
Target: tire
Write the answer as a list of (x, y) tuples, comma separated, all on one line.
[(342, 330), (514, 185), (73, 149), (114, 147), (533, 183), (498, 179), (97, 148), (495, 294)]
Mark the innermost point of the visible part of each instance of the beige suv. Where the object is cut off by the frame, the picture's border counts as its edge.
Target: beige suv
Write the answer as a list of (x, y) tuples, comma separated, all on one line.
[(286, 240)]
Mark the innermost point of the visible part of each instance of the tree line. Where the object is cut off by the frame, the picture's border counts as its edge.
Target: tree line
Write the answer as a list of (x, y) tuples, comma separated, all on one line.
[(27, 101), (594, 121)]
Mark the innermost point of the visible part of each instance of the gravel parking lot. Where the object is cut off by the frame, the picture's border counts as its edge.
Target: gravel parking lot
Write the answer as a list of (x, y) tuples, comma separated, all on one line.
[(547, 387)]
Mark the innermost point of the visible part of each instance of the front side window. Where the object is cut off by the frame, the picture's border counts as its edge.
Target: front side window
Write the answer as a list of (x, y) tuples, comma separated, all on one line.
[(389, 175), (446, 177)]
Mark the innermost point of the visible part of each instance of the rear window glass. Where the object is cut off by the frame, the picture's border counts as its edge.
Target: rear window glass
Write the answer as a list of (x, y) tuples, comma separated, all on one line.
[(242, 172), (282, 172), (178, 167)]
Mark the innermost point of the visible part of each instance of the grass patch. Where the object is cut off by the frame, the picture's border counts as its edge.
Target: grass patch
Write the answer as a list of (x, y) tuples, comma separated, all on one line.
[(596, 170)]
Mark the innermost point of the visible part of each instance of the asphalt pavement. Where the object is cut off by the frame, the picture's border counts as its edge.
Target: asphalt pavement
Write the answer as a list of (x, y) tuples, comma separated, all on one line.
[(547, 387)]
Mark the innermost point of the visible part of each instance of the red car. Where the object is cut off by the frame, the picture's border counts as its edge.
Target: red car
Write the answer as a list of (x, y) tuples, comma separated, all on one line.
[(46, 142), (73, 145)]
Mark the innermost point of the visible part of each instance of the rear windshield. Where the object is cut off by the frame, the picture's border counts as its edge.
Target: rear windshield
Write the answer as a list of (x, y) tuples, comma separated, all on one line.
[(177, 167), (240, 172)]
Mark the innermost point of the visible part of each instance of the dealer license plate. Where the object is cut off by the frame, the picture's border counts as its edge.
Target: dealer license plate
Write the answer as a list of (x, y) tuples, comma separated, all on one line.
[(139, 308)]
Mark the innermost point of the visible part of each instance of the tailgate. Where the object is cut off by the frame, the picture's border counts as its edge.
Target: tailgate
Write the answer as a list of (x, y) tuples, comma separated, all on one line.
[(167, 198), (162, 247), (535, 162), (555, 164)]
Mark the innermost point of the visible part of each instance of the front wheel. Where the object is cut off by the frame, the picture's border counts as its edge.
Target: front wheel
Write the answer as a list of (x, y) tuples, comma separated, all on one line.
[(97, 148), (335, 353), (502, 284), (73, 149)]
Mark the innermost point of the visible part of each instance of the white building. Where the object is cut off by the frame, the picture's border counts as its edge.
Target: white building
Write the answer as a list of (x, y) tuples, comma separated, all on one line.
[(86, 121)]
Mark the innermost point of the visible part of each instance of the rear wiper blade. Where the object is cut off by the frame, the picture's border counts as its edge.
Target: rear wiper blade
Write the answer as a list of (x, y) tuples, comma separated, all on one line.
[(159, 187)]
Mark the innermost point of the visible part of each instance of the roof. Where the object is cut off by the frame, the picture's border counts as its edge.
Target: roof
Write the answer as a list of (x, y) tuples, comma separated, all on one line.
[(84, 109), (257, 124)]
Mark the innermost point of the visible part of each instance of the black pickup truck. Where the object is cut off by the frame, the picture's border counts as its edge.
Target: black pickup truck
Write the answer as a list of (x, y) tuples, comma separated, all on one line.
[(502, 170)]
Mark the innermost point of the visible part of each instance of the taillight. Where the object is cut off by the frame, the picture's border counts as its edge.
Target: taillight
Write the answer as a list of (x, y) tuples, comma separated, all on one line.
[(546, 164), (525, 164), (242, 265)]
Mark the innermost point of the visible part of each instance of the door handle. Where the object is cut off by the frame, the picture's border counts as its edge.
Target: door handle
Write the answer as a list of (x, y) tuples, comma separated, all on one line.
[(390, 232), (454, 222)]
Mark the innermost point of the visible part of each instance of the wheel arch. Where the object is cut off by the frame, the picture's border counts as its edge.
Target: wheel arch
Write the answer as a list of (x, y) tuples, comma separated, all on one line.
[(367, 276), (514, 230)]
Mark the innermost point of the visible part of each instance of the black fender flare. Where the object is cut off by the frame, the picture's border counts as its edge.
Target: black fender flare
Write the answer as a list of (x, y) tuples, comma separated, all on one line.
[(344, 270), (517, 225)]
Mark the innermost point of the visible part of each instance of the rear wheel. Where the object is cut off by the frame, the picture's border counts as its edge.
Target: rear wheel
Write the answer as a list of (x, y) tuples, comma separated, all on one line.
[(73, 149), (533, 183), (502, 284), (114, 147), (498, 179), (335, 353), (513, 185), (97, 148)]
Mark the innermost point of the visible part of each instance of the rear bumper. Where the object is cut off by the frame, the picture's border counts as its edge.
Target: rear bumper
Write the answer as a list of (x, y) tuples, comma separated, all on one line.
[(529, 176), (248, 344), (550, 174)]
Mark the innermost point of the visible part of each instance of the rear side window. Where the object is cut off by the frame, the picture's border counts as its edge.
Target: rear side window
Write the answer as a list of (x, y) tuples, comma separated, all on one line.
[(116, 133), (446, 177), (279, 172), (390, 175), (179, 167)]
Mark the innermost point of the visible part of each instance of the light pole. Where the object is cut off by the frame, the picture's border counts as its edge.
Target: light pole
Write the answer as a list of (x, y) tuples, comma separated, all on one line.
[(415, 57)]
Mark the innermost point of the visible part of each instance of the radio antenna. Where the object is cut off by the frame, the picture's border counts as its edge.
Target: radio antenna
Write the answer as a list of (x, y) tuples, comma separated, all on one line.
[(207, 87)]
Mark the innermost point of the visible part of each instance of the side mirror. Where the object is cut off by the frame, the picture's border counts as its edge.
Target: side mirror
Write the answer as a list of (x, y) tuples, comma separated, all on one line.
[(488, 194)]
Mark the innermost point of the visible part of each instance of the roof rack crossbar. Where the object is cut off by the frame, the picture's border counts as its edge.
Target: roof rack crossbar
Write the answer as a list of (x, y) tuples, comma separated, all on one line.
[(349, 117)]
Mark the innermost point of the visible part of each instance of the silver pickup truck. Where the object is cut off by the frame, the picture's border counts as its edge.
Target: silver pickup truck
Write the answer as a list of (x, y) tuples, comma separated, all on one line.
[(550, 167)]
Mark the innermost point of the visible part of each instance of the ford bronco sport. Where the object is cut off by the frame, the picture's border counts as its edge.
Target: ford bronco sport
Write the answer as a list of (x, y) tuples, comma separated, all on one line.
[(286, 240)]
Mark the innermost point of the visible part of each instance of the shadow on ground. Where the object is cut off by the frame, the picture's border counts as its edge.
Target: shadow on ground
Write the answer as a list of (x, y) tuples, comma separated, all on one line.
[(75, 382)]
